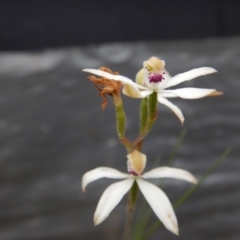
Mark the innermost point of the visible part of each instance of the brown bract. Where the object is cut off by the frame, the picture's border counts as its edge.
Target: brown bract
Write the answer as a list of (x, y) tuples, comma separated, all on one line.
[(107, 87)]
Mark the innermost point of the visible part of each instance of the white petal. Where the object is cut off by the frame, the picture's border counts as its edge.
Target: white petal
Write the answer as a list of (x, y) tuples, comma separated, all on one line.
[(101, 172), (110, 76), (182, 77), (110, 198), (174, 108), (167, 76), (162, 172), (160, 204), (134, 92), (190, 93), (167, 94)]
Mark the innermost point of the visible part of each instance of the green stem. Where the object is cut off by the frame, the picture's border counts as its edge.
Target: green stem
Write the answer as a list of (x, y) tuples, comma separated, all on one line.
[(152, 108), (148, 116), (132, 198), (143, 123), (121, 125), (143, 114)]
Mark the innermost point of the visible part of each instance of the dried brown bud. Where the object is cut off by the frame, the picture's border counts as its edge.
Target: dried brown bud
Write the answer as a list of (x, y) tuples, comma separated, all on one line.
[(107, 87)]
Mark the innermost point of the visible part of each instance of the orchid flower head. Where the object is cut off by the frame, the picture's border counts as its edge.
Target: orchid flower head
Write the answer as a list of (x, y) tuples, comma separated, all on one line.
[(153, 77), (156, 198)]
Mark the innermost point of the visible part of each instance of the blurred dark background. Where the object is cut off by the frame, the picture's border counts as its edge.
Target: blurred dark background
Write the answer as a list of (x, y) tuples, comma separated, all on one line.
[(30, 25), (52, 129)]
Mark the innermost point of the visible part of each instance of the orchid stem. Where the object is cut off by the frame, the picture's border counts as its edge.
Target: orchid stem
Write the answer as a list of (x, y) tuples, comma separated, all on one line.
[(148, 115), (121, 125), (143, 114), (132, 198)]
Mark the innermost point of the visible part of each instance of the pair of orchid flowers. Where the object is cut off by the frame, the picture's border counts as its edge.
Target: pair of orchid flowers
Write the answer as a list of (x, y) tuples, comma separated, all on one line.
[(153, 77)]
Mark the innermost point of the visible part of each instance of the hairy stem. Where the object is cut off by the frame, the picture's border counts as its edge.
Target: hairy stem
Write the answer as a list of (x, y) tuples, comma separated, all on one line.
[(121, 125), (148, 116)]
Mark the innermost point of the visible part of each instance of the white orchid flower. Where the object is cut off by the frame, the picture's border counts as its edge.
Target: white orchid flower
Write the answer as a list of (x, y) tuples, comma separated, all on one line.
[(154, 78), (156, 198)]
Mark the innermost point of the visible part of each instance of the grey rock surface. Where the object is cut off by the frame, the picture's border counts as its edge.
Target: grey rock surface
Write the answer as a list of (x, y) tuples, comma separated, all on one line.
[(52, 130)]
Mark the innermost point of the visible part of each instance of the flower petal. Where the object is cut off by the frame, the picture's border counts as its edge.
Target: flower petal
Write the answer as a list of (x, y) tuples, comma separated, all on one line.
[(110, 76), (182, 77), (191, 93), (101, 172), (174, 108), (139, 79), (167, 75), (134, 92), (110, 198), (160, 204), (167, 94), (162, 172)]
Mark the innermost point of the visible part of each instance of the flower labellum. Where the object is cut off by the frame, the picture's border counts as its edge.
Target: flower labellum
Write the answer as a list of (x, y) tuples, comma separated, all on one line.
[(154, 70), (136, 162)]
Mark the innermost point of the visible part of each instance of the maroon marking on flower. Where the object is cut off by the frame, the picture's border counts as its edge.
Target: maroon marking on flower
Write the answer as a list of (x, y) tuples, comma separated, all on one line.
[(156, 78), (133, 173)]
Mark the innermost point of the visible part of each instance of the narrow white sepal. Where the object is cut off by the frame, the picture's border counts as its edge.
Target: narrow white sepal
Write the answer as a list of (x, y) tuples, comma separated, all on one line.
[(110, 198), (160, 204), (163, 172), (101, 172), (173, 107), (186, 76), (190, 93), (110, 76), (167, 94)]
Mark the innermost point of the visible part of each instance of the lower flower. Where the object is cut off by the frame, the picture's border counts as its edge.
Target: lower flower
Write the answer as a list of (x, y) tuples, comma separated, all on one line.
[(156, 198)]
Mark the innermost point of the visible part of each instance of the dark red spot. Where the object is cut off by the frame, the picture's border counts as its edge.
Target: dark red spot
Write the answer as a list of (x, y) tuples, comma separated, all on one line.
[(156, 78), (133, 173)]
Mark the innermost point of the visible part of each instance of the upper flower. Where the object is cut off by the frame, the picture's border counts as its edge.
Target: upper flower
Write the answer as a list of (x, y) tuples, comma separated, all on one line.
[(156, 198), (154, 78)]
